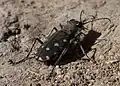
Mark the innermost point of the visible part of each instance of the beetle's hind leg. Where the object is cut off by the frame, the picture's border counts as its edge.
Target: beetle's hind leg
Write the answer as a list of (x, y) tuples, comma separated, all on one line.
[(26, 58)]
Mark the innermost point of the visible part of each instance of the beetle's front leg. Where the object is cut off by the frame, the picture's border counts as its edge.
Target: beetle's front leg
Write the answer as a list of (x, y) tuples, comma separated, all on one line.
[(83, 51)]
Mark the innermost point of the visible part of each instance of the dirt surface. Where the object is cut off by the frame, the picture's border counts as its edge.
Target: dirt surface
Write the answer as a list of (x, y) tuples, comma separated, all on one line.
[(23, 20)]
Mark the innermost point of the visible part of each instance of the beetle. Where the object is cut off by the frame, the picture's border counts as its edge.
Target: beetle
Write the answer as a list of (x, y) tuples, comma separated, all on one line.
[(59, 42)]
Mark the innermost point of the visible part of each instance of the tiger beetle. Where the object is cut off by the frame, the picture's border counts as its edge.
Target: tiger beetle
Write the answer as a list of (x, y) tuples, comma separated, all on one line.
[(58, 43)]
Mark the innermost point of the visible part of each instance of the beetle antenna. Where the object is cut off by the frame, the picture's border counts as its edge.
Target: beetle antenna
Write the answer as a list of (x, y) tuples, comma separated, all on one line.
[(96, 20), (81, 15)]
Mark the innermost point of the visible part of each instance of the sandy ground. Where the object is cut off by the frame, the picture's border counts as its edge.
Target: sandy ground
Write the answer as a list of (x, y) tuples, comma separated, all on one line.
[(23, 20)]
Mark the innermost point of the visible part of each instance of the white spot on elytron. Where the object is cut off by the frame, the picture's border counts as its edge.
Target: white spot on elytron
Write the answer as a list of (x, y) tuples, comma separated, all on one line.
[(40, 59), (47, 48), (64, 40), (75, 42), (47, 57), (42, 46), (56, 44), (55, 53)]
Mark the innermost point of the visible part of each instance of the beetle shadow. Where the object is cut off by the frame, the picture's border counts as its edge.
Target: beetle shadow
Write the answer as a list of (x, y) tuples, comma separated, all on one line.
[(87, 43)]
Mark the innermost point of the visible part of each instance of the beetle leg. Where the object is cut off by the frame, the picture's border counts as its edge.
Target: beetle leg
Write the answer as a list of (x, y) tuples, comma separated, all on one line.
[(52, 31), (83, 51), (24, 59), (61, 26), (43, 35), (60, 57), (41, 42)]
